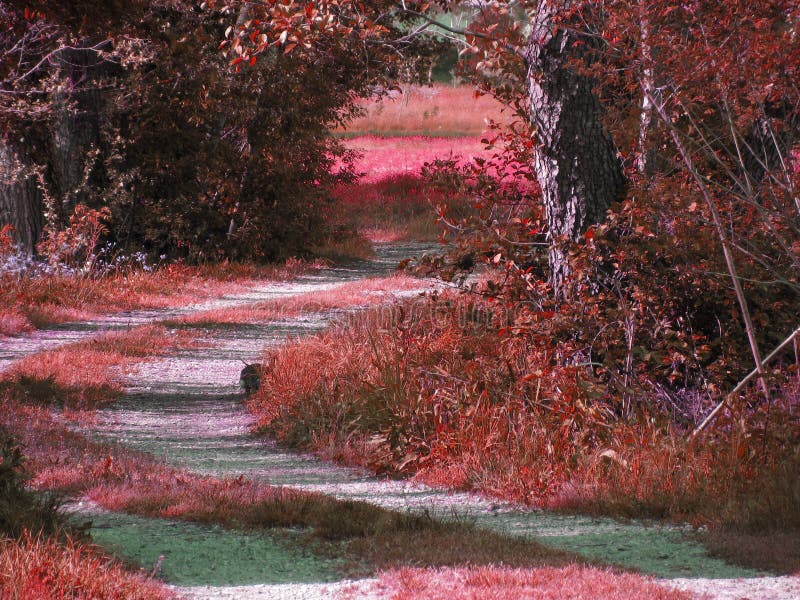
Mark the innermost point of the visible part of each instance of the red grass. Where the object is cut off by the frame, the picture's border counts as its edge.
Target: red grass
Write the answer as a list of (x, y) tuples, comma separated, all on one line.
[(435, 392), (13, 322), (391, 201), (428, 110), (364, 293), (572, 582), (35, 568), (63, 460), (172, 494), (44, 300), (88, 373)]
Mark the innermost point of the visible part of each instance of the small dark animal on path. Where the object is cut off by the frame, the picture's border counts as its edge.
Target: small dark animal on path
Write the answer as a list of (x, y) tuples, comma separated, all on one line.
[(250, 378)]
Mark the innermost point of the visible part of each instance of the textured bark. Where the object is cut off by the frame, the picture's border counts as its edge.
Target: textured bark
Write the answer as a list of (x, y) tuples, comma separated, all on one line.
[(575, 159), (645, 155), (20, 201), (766, 149), (79, 105)]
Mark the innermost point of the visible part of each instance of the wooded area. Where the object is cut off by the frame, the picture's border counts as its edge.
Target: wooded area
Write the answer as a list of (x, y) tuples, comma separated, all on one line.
[(625, 250)]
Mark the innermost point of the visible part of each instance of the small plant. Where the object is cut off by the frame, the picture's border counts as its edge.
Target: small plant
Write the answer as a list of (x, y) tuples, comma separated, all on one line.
[(76, 245), (6, 241), (20, 508)]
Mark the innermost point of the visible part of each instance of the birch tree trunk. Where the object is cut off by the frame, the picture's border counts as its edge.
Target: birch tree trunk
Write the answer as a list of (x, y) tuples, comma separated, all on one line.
[(575, 159)]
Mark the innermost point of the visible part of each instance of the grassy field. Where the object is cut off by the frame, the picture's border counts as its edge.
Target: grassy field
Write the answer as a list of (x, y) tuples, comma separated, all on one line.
[(396, 137), (433, 111)]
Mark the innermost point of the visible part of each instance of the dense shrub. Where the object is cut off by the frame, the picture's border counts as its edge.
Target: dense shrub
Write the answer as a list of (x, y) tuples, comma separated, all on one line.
[(444, 389), (21, 509), (194, 157)]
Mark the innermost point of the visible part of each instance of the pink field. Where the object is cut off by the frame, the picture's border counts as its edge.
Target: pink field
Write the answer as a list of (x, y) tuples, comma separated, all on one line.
[(437, 110), (386, 157)]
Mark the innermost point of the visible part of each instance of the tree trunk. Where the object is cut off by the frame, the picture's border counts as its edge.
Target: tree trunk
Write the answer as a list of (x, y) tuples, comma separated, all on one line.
[(645, 155), (575, 159), (79, 105), (20, 201)]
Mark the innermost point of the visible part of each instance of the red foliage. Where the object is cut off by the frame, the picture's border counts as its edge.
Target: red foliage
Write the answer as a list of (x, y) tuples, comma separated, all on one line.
[(498, 583), (6, 240), (76, 245), (36, 568)]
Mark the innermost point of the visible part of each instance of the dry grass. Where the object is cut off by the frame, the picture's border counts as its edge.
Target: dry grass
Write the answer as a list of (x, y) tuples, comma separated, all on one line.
[(13, 322), (363, 293), (434, 392), (776, 552), (65, 461), (572, 582), (89, 373), (33, 568), (438, 111), (37, 301), (397, 207)]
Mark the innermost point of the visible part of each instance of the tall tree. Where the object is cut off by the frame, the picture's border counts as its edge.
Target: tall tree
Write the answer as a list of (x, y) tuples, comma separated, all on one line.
[(575, 160)]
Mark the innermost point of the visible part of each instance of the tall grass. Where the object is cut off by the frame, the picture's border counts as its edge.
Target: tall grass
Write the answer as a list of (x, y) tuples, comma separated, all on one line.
[(435, 391), (36, 567), (398, 207)]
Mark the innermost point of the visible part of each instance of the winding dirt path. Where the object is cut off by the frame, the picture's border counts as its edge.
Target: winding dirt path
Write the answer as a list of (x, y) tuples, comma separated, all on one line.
[(187, 409)]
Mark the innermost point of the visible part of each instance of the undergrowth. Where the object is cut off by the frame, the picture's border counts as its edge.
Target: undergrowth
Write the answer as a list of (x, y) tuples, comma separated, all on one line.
[(397, 207), (434, 389)]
